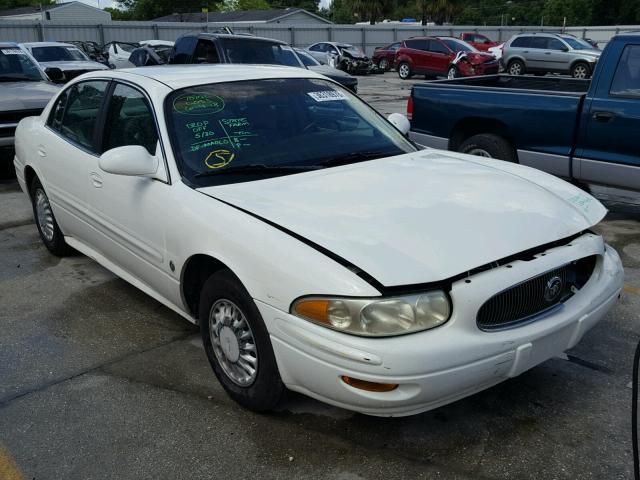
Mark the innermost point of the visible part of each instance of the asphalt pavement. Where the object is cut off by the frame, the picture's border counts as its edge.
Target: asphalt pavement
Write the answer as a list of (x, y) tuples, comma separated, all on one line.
[(99, 381)]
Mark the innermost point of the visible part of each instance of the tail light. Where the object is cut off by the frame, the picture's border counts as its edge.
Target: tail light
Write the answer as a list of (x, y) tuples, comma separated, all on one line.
[(410, 108)]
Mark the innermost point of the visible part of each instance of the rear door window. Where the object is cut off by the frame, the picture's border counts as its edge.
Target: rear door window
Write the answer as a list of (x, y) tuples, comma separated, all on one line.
[(436, 47), (539, 42), (418, 44), (521, 42), (76, 112), (626, 81)]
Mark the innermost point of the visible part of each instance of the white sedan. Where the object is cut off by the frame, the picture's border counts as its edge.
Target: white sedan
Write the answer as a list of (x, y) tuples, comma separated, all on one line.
[(318, 249)]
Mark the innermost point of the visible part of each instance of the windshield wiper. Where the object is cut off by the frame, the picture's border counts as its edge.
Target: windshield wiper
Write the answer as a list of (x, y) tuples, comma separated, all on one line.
[(257, 168), (355, 157)]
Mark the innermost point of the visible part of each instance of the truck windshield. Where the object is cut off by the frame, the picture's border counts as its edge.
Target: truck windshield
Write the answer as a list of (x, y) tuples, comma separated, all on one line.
[(247, 50), (16, 65), (58, 54), (240, 131)]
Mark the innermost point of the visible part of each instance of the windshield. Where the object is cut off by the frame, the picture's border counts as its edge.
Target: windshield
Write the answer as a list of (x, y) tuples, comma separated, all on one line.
[(246, 50), (458, 45), (58, 54), (15, 64), (577, 44), (278, 124), (307, 59)]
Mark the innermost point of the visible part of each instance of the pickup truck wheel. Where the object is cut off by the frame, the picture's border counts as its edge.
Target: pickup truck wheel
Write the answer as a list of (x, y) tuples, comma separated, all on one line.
[(384, 64), (488, 145), (515, 67), (580, 70), (452, 72), (237, 343), (404, 71), (50, 233)]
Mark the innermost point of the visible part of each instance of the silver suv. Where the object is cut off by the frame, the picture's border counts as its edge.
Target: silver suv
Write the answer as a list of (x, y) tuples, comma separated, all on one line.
[(540, 53)]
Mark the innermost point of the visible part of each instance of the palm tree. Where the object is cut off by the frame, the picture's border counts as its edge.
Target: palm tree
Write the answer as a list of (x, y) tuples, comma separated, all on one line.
[(440, 11), (372, 9)]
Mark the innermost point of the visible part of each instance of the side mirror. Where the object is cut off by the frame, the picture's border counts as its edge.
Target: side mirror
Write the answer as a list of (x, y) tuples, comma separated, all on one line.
[(55, 74), (132, 160), (400, 122)]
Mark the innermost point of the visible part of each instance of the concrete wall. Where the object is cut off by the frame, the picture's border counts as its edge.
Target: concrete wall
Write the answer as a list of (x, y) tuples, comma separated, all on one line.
[(366, 36)]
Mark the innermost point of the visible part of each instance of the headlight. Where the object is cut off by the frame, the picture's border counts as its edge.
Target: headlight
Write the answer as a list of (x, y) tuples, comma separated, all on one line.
[(377, 316)]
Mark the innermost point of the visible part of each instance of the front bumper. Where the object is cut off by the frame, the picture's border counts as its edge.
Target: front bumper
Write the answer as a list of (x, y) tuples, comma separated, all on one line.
[(439, 366)]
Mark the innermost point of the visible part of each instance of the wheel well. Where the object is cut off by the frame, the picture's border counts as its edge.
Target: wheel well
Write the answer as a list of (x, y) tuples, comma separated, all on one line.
[(474, 126), (197, 270), (513, 59), (29, 175), (576, 62)]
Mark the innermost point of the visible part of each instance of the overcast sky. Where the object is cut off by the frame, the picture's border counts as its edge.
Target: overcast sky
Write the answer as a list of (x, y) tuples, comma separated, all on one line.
[(112, 3)]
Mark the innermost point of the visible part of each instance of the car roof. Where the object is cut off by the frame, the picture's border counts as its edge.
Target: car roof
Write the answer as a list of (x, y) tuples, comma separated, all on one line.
[(181, 76), (233, 37), (47, 44), (8, 45)]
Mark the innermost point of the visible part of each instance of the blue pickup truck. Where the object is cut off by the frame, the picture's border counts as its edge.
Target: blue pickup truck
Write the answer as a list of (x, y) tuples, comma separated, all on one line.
[(585, 131)]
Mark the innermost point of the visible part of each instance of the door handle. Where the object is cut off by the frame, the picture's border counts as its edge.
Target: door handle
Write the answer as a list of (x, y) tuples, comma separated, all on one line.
[(41, 151), (547, 53), (604, 117), (96, 180)]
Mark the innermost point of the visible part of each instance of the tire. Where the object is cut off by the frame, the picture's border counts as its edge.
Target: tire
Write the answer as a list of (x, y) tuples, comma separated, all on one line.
[(580, 70), (489, 145), (384, 65), (452, 72), (48, 228), (516, 67), (404, 71), (222, 294)]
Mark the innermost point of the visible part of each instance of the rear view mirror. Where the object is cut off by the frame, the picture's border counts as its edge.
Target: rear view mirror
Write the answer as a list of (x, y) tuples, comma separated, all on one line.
[(132, 160), (400, 122), (54, 74)]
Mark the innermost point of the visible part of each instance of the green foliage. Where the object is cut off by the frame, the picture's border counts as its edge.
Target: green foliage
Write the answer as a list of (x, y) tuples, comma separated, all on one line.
[(233, 5), (9, 4), (150, 9), (310, 5)]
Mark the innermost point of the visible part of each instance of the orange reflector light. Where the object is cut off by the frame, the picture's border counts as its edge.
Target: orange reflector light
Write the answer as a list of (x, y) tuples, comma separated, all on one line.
[(314, 309), (369, 386)]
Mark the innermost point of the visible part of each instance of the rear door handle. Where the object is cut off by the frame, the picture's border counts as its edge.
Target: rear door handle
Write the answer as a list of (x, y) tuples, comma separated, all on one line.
[(41, 151), (604, 117), (96, 180)]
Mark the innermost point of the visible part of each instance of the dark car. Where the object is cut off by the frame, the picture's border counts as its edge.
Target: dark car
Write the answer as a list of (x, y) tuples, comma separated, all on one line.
[(343, 78), (384, 57), (478, 41), (440, 56), (581, 130)]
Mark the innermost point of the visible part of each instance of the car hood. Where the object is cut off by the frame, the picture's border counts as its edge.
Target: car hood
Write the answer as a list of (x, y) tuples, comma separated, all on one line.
[(420, 217), (26, 95), (590, 53), (334, 74), (74, 65), (476, 58)]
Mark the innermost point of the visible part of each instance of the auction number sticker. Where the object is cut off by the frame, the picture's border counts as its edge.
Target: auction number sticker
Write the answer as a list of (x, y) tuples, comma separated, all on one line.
[(12, 51), (327, 96)]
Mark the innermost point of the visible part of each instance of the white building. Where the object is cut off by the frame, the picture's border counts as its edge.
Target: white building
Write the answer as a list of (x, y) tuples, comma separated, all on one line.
[(70, 12)]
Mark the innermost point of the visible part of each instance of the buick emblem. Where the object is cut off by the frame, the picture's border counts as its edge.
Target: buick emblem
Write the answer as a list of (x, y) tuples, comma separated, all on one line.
[(553, 289)]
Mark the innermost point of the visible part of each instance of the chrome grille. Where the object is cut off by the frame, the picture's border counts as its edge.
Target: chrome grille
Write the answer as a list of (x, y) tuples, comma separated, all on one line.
[(530, 300)]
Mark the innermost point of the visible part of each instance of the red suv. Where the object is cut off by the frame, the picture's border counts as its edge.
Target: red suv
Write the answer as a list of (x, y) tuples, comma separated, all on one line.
[(438, 56), (479, 41), (384, 57)]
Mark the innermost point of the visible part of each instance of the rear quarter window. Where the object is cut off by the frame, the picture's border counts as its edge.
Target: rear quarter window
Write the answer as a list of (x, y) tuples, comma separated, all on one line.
[(521, 42)]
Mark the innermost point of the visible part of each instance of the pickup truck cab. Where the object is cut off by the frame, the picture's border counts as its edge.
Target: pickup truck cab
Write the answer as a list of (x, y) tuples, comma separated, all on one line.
[(577, 129), (478, 41)]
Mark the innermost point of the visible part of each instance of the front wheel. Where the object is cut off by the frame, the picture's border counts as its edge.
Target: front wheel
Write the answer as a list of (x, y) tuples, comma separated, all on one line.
[(384, 64), (515, 67), (48, 228), (489, 145), (452, 73), (580, 71), (237, 343), (404, 71)]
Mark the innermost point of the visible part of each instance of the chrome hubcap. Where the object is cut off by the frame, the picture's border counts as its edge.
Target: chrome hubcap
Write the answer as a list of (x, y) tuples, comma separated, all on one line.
[(452, 73), (479, 152), (515, 69), (233, 343), (44, 215), (404, 70), (580, 72)]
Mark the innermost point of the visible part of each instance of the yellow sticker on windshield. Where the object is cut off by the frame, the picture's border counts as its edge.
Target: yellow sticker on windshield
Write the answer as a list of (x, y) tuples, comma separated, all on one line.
[(222, 157)]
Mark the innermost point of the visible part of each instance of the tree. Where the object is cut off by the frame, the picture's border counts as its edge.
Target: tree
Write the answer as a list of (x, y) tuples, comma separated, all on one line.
[(150, 9), (310, 5), (577, 12), (9, 4), (234, 5)]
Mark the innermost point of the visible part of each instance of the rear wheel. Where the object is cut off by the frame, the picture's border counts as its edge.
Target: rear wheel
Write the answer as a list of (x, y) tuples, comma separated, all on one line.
[(489, 145), (48, 229), (515, 67), (404, 71), (237, 343), (580, 70), (384, 64)]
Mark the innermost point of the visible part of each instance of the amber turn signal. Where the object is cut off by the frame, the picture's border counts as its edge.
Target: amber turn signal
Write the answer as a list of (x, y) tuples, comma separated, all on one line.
[(369, 386), (314, 310)]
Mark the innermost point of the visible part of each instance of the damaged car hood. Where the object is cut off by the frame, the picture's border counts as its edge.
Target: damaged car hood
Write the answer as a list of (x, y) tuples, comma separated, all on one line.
[(420, 217)]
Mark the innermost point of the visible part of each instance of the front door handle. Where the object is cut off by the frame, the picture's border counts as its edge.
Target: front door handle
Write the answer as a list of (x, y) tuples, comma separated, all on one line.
[(41, 151), (96, 180), (603, 117)]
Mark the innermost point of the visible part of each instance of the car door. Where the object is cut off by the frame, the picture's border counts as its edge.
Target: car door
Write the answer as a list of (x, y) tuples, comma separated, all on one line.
[(66, 149), (535, 57), (608, 148), (419, 53), (558, 58), (127, 212), (439, 57)]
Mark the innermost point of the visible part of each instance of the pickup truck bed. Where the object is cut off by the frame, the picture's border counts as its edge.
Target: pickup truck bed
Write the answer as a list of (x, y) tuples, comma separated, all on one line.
[(578, 129)]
